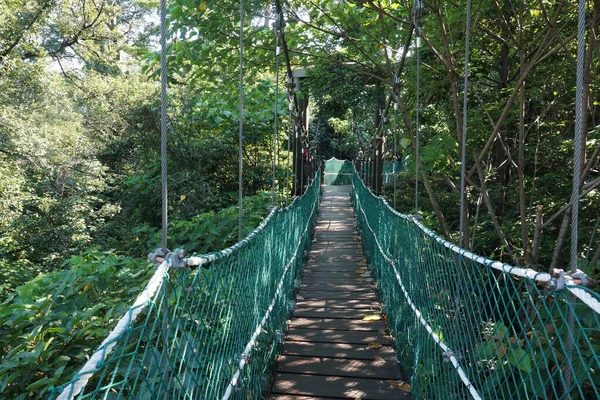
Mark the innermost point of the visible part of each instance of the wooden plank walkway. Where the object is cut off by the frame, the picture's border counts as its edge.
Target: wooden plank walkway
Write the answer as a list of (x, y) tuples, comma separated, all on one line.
[(331, 351)]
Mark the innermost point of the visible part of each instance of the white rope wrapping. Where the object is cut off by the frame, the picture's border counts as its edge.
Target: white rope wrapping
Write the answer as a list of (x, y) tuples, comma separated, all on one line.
[(106, 347), (451, 357), (244, 356)]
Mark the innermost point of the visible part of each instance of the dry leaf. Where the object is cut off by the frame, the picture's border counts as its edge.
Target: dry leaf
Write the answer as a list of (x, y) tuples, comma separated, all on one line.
[(387, 337), (377, 358), (298, 297), (400, 385), (375, 345), (360, 271), (372, 317), (360, 280)]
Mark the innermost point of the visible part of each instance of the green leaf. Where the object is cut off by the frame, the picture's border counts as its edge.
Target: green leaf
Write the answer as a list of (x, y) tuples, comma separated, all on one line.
[(517, 357)]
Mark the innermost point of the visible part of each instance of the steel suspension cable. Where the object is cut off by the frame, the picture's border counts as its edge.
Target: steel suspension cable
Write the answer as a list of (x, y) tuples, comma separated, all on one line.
[(416, 22), (577, 163), (578, 145), (241, 125), (395, 128), (417, 122), (463, 157), (278, 27), (163, 122)]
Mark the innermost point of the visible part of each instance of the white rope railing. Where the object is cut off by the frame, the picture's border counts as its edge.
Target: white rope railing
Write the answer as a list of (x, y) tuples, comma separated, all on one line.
[(449, 354), (244, 357)]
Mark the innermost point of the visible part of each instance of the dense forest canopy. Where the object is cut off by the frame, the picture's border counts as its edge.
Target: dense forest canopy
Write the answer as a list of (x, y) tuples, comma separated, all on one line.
[(79, 139)]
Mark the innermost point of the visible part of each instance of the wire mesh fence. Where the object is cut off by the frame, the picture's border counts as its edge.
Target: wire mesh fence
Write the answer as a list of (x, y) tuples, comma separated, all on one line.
[(213, 332), (469, 327)]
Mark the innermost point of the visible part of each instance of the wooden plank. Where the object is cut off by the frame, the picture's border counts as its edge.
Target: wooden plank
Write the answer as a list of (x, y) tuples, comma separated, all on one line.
[(347, 255), (336, 265), (329, 386), (324, 268), (337, 324), (355, 282), (337, 313), (339, 350), (324, 274), (349, 286), (375, 369), (335, 336), (338, 303), (309, 293), (296, 397)]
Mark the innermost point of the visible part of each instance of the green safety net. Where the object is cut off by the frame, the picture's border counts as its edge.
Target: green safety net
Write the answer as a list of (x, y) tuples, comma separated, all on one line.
[(389, 169), (338, 172), (468, 327), (210, 333)]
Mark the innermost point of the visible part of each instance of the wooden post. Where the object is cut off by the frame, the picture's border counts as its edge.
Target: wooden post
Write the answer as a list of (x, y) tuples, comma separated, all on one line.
[(377, 178), (300, 169)]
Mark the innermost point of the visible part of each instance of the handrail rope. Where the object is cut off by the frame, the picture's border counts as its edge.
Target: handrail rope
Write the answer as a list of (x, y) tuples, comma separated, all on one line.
[(447, 351), (107, 345), (463, 157), (581, 292), (244, 357)]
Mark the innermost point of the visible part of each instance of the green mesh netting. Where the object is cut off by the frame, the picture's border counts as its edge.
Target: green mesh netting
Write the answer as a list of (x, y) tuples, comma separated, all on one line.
[(468, 327), (214, 332), (338, 172), (389, 169)]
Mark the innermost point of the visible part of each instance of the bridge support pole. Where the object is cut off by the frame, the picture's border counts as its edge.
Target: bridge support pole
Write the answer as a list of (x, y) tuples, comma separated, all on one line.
[(301, 149), (377, 174)]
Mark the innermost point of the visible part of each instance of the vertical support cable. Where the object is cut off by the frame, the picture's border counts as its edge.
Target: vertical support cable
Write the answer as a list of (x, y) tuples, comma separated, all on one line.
[(163, 121), (417, 123), (578, 135), (163, 161), (291, 136), (277, 51), (241, 124), (463, 157), (577, 156), (395, 128)]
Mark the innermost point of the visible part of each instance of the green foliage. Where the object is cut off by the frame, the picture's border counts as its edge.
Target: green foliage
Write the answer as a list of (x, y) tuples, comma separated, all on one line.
[(52, 323)]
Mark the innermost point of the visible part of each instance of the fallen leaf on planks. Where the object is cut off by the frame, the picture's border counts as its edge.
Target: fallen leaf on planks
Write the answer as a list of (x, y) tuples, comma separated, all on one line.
[(400, 385)]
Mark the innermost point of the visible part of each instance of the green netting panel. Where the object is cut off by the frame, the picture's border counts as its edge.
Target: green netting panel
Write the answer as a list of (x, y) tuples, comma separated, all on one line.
[(468, 327), (213, 332), (389, 169), (338, 172)]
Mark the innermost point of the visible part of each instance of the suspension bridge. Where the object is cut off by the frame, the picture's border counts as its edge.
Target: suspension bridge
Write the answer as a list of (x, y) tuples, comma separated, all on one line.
[(340, 296)]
